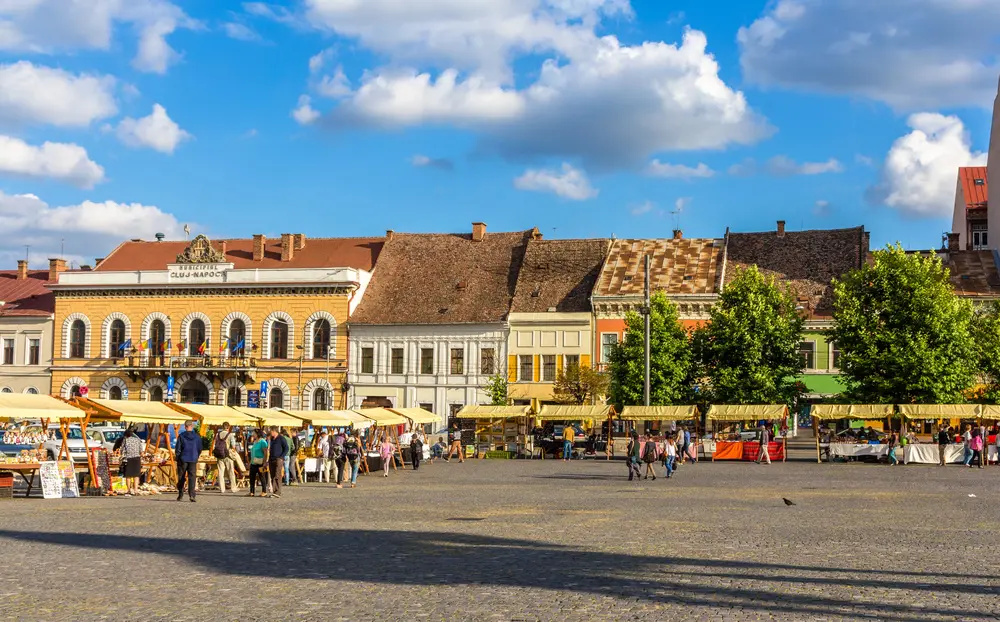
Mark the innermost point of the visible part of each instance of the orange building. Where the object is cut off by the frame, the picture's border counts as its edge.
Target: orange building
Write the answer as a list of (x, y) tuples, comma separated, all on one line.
[(689, 271)]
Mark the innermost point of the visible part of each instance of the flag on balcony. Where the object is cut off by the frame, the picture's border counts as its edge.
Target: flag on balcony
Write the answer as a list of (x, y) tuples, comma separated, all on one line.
[(203, 347), (143, 345), (125, 346), (165, 347), (239, 347), (183, 344), (225, 345)]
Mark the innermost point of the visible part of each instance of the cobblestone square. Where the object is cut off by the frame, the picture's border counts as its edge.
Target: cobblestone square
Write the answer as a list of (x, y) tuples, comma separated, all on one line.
[(524, 540)]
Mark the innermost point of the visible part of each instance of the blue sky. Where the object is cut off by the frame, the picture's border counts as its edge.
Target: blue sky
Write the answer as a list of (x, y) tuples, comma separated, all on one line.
[(581, 117)]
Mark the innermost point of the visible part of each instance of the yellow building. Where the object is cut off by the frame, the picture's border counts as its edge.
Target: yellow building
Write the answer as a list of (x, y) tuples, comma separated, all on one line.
[(212, 321), (551, 322)]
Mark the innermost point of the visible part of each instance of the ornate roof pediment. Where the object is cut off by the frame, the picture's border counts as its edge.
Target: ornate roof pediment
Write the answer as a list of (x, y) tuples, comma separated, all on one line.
[(201, 251)]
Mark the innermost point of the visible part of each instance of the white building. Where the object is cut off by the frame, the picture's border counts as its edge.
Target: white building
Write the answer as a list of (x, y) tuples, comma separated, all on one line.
[(432, 327)]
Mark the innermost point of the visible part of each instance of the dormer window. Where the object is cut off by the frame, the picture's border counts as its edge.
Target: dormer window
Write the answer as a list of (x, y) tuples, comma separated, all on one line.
[(979, 182)]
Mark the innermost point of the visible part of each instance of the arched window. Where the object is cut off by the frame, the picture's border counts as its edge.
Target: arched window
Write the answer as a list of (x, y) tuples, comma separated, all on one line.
[(321, 339), (319, 400), (77, 340), (156, 394), (32, 391), (115, 393), (279, 340), (276, 398), (233, 396), (157, 337), (116, 339), (6, 390), (194, 392), (196, 337), (237, 337), (75, 391)]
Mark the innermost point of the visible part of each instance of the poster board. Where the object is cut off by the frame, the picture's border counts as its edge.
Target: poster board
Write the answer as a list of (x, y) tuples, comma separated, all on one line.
[(58, 480)]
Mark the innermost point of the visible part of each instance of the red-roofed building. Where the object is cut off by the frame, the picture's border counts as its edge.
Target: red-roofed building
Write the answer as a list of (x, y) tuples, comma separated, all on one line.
[(969, 219), (26, 311)]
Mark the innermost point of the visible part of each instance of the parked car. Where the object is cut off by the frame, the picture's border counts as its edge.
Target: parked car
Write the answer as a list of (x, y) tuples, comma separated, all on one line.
[(74, 442)]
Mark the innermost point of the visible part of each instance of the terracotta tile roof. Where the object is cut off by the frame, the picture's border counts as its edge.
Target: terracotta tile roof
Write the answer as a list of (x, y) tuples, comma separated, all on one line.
[(318, 253), (973, 273), (29, 297), (558, 274), (679, 266), (975, 195), (806, 260), (446, 278)]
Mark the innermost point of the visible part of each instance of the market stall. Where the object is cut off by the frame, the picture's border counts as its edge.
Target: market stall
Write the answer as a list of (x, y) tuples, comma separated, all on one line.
[(417, 416), (590, 417), (389, 422), (928, 453), (733, 438), (673, 415), (500, 429), (990, 413), (834, 448)]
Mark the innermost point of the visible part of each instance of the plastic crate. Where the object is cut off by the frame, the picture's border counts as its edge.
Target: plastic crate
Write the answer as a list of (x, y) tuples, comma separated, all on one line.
[(6, 480), (6, 493)]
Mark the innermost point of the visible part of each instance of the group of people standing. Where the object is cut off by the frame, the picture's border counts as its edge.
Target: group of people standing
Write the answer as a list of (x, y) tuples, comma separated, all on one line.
[(974, 439), (670, 451)]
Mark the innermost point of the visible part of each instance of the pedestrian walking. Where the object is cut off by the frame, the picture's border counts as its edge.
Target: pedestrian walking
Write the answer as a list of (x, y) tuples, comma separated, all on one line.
[(893, 440), (132, 459), (416, 450), (632, 456), (222, 449), (455, 435), (287, 463), (569, 435), (669, 456), (649, 454), (323, 456), (944, 439), (258, 462), (765, 438), (187, 451), (386, 449), (277, 456), (976, 444), (352, 455), (967, 445), (336, 458)]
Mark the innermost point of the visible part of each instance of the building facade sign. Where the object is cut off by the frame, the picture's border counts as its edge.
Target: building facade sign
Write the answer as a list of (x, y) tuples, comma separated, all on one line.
[(199, 273)]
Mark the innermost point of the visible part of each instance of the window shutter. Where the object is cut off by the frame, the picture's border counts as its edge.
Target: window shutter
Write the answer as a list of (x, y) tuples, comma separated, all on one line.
[(537, 367), (512, 368), (559, 365), (584, 360)]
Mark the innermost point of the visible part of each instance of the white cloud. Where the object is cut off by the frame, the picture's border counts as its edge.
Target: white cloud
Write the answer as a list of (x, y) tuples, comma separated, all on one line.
[(681, 204), (678, 171), (304, 113), (863, 160), (89, 229), (822, 209), (784, 166), (156, 131), (921, 168), (60, 161), (53, 26), (32, 94), (422, 161), (912, 55), (570, 183), (643, 208), (241, 32)]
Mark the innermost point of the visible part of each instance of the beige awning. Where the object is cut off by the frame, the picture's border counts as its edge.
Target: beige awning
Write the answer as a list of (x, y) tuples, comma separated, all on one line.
[(990, 411), (271, 416), (746, 412), (660, 413), (940, 411), (851, 411), (417, 415), (135, 411), (493, 412), (214, 415), (30, 406), (332, 418), (382, 416), (573, 413)]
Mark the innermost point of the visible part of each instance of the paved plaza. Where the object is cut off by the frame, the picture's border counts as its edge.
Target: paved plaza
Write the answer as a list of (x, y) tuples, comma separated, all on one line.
[(525, 540)]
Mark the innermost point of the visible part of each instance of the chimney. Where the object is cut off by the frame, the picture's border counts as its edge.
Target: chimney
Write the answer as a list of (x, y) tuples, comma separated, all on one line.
[(55, 267), (300, 241), (478, 231), (388, 235), (259, 241), (678, 234), (22, 269), (953, 242), (287, 247), (222, 247), (781, 228)]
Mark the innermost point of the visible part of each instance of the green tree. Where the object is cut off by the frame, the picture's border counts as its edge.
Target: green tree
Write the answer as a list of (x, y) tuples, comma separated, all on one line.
[(748, 350), (986, 337), (580, 385), (903, 334), (497, 388), (669, 359)]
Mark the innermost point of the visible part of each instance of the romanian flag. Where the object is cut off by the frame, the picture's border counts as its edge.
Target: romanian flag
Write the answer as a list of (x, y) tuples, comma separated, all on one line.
[(203, 347), (183, 344), (165, 346), (225, 346), (143, 345)]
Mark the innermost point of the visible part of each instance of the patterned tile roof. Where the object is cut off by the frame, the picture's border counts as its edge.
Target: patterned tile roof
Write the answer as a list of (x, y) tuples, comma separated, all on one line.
[(27, 297), (973, 183), (558, 274), (679, 266), (431, 278)]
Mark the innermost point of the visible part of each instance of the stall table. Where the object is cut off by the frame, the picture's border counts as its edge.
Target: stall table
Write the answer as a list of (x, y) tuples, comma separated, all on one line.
[(29, 470), (857, 450), (747, 450), (927, 453)]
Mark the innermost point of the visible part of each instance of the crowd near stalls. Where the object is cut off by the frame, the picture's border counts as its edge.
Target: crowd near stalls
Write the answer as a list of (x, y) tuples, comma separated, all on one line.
[(680, 425), (938, 434), (748, 432)]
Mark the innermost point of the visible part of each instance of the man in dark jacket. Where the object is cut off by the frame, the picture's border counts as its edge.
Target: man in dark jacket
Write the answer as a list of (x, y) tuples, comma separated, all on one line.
[(276, 461), (187, 452)]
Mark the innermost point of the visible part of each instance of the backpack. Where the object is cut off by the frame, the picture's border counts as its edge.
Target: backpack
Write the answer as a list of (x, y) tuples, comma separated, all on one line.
[(351, 450), (220, 449), (336, 451), (649, 453)]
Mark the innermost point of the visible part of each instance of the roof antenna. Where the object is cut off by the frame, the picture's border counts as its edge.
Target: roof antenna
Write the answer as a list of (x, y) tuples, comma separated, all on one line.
[(62, 248), (27, 251)]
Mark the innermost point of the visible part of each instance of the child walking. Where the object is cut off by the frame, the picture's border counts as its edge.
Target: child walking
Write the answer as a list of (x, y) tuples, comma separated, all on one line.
[(386, 452)]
